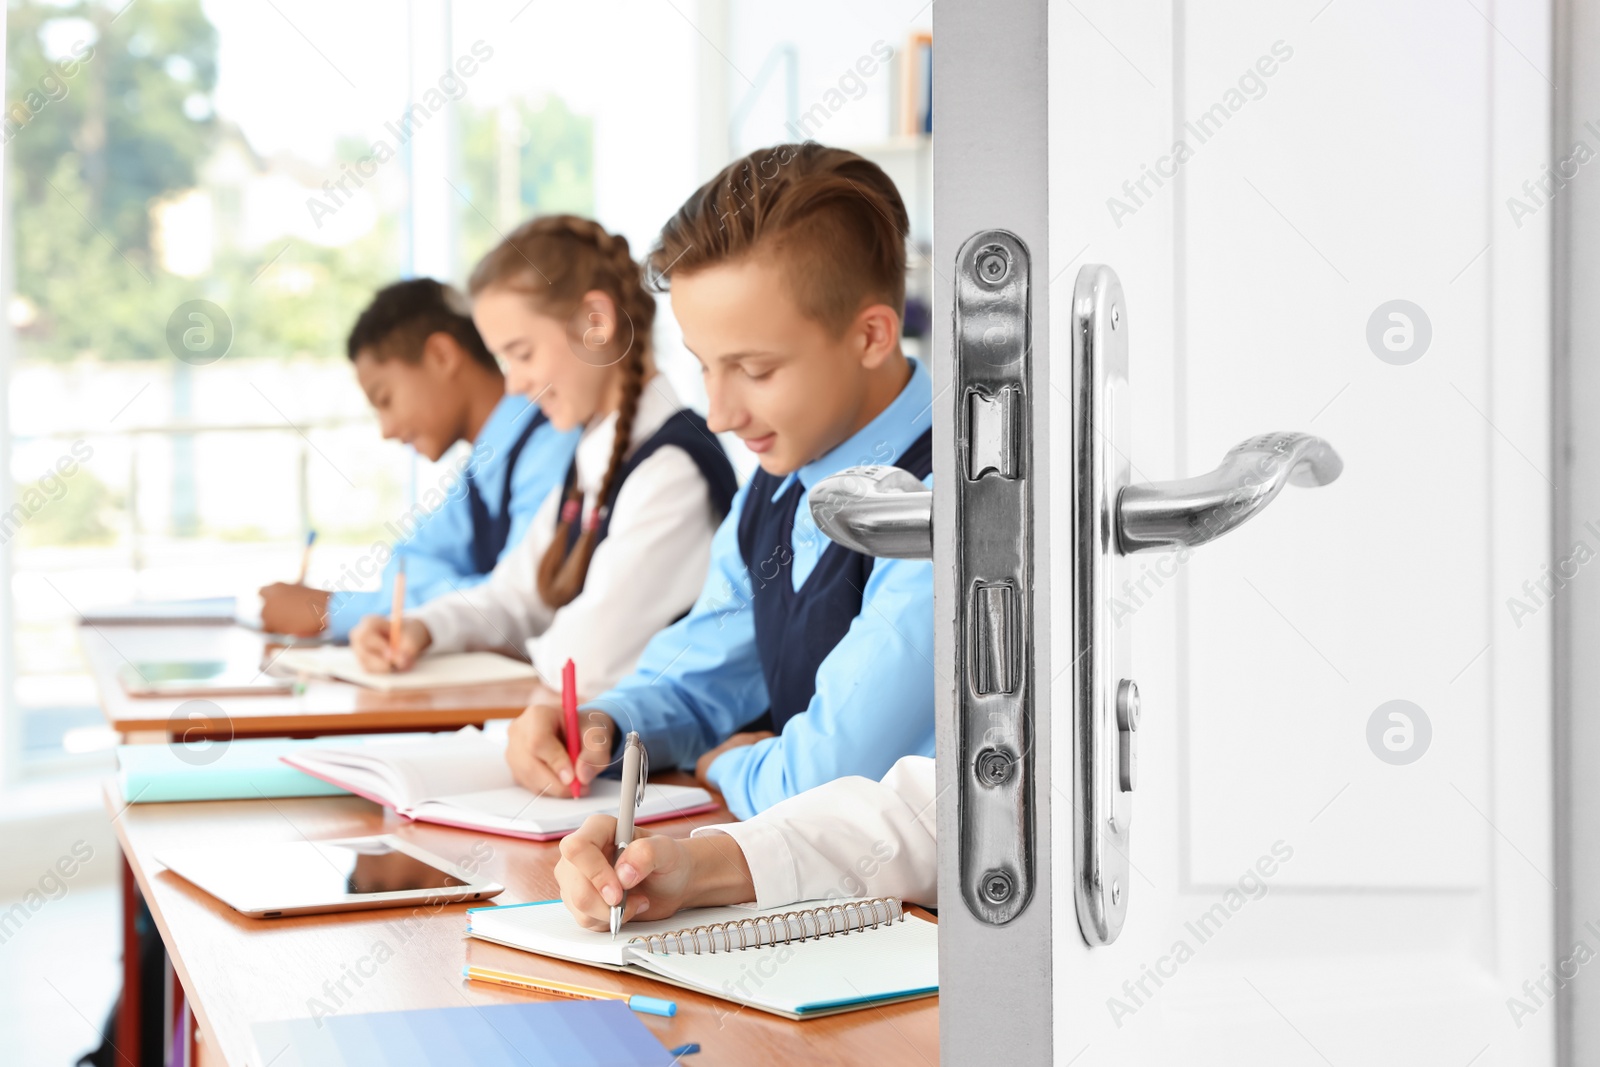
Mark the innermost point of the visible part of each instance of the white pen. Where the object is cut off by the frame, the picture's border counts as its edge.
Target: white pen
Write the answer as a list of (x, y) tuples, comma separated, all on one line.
[(635, 769)]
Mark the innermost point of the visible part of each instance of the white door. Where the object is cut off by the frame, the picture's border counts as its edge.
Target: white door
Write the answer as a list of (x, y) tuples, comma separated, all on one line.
[(1340, 839)]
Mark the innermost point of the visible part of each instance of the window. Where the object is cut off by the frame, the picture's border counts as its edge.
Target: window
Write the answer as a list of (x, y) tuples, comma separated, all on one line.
[(199, 199), (201, 195)]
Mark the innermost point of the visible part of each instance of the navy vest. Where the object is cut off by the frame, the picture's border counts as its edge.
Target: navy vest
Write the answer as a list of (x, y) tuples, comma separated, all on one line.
[(489, 532), (796, 629), (683, 430)]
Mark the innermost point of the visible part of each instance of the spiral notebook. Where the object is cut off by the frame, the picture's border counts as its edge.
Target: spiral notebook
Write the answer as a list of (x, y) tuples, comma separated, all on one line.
[(812, 959)]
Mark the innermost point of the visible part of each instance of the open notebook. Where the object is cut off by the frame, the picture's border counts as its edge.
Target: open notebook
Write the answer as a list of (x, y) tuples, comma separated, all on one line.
[(430, 671), (805, 961), (462, 779)]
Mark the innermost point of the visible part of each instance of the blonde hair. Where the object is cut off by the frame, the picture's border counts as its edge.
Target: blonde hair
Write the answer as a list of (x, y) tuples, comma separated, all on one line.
[(553, 261)]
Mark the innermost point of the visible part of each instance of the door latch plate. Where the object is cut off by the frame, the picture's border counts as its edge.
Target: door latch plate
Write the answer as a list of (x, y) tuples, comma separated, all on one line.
[(994, 523)]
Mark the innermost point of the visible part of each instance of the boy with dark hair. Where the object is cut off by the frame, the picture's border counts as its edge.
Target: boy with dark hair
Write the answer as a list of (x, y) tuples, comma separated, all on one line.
[(801, 661), (432, 381)]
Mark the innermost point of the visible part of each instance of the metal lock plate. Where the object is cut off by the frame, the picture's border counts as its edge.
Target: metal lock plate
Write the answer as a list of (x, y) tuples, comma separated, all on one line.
[(994, 522)]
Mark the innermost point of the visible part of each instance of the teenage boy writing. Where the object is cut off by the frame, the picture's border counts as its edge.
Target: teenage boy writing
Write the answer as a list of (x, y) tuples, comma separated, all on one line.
[(432, 381), (801, 661)]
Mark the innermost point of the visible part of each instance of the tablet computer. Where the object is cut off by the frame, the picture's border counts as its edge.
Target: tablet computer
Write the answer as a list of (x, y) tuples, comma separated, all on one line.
[(269, 881), (198, 678)]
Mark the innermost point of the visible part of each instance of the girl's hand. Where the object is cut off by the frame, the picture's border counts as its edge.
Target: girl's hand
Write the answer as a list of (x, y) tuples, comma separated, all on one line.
[(370, 642)]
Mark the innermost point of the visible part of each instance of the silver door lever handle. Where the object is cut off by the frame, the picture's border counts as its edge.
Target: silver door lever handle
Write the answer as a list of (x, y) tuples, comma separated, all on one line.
[(1192, 511), (887, 512), (876, 510)]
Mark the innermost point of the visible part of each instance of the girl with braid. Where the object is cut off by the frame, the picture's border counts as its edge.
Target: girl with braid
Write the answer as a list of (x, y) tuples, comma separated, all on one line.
[(620, 548)]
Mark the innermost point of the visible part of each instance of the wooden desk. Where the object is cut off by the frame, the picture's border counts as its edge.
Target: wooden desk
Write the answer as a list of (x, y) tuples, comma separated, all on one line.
[(237, 971), (325, 707)]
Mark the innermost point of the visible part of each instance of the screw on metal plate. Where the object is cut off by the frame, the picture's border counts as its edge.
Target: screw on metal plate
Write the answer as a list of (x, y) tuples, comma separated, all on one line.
[(995, 766), (994, 264), (998, 887)]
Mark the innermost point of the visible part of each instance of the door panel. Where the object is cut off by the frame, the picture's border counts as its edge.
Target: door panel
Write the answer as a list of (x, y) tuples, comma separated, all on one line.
[(1348, 182), (1296, 897)]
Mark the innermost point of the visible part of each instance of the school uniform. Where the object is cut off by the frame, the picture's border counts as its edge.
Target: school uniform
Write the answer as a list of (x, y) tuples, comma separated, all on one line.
[(830, 648), (851, 837), (517, 459), (655, 542)]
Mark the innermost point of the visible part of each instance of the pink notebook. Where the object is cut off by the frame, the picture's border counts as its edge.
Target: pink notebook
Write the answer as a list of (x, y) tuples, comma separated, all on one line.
[(462, 780)]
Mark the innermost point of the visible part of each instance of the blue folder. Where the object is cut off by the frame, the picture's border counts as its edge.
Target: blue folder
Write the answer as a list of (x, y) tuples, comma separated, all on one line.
[(569, 1033), (224, 770)]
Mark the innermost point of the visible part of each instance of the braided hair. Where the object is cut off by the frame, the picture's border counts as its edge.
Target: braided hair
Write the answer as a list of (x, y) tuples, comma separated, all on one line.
[(554, 260)]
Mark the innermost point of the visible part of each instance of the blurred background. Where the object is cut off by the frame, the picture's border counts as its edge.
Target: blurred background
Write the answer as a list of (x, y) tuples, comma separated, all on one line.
[(281, 160)]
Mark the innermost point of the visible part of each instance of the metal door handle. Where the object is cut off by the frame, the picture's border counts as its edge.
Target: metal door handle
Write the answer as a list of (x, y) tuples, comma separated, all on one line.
[(884, 511), (1112, 519), (1192, 511), (879, 511)]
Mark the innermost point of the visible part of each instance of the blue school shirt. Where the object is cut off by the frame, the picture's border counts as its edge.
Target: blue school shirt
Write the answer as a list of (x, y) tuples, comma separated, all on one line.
[(438, 546), (701, 679)]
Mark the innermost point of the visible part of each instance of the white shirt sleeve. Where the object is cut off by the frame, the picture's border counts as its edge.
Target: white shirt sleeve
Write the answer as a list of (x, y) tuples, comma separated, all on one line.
[(851, 837), (505, 609), (645, 574)]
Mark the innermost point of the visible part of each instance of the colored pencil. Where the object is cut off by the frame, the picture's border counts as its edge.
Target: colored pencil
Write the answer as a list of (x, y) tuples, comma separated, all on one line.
[(650, 1005), (397, 611)]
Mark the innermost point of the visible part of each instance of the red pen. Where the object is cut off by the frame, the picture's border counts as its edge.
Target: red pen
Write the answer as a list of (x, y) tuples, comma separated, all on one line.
[(569, 709)]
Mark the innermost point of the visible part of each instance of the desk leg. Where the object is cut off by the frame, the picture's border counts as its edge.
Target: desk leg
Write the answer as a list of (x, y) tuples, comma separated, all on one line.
[(182, 1048), (128, 1036), (182, 1051)]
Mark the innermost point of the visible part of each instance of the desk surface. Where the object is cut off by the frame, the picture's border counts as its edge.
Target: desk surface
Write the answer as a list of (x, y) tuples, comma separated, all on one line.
[(324, 707), (238, 971)]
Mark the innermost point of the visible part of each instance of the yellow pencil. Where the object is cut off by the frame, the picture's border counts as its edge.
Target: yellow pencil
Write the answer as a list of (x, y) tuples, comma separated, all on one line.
[(648, 1005), (397, 611)]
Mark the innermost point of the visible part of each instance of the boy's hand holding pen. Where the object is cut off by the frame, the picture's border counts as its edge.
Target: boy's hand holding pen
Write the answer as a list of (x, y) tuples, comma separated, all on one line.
[(542, 761), (293, 607)]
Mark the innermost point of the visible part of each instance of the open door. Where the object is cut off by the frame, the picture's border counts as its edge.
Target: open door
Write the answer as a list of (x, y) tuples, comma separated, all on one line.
[(1319, 830)]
